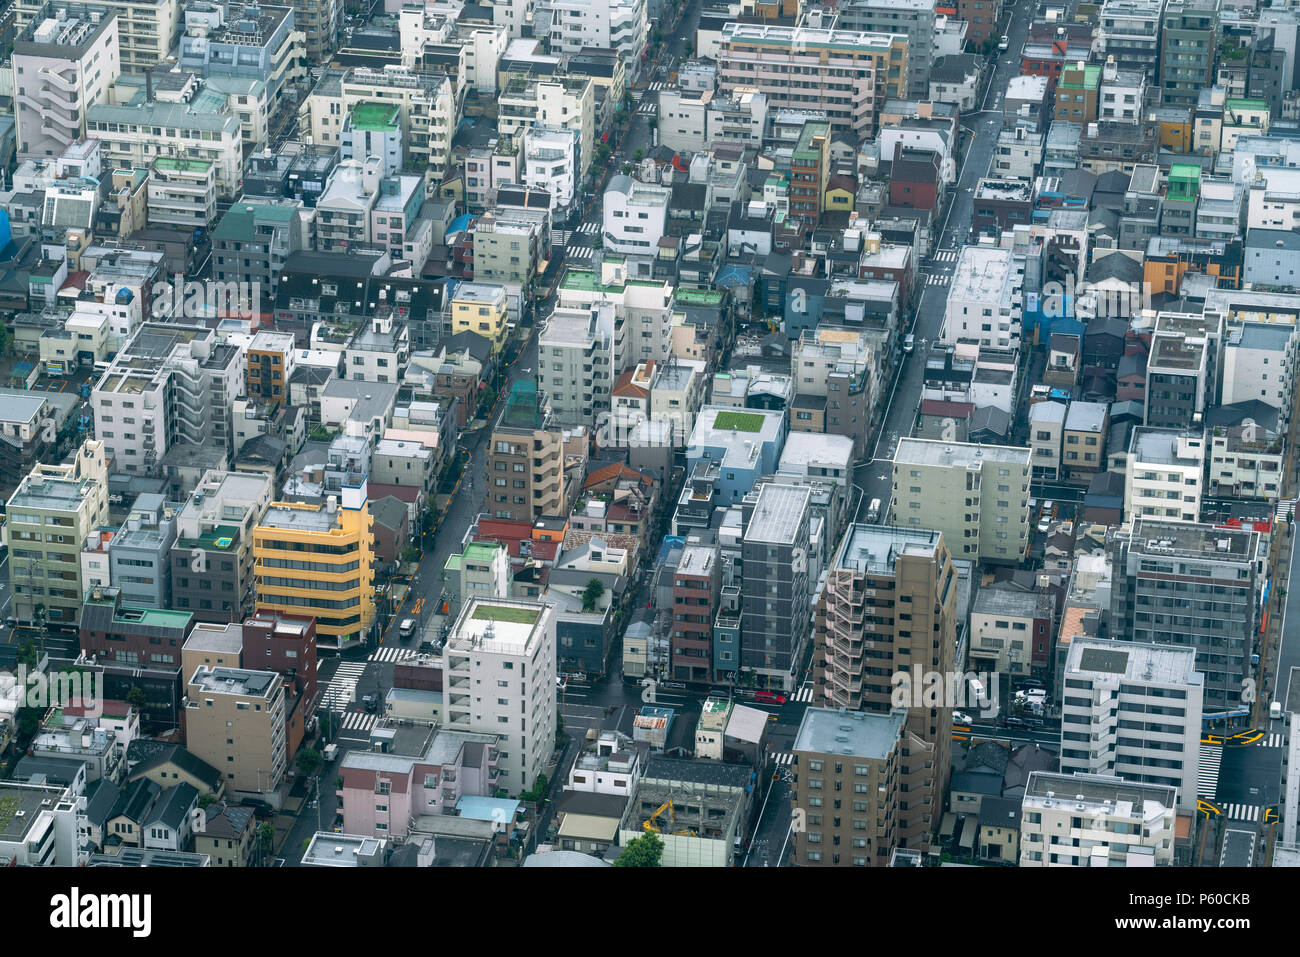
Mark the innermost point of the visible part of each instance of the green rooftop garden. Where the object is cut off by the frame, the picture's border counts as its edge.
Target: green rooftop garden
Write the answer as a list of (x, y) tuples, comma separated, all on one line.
[(516, 616), (739, 422)]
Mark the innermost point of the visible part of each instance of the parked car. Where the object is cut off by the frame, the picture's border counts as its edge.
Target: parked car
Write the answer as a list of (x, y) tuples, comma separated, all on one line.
[(961, 717), (1004, 44), (1045, 524), (909, 343), (1015, 723)]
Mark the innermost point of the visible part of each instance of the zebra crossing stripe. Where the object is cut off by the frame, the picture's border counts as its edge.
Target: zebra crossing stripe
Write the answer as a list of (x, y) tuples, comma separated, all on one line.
[(359, 721), (1207, 772), (392, 654), (783, 758), (1242, 812), (1274, 740)]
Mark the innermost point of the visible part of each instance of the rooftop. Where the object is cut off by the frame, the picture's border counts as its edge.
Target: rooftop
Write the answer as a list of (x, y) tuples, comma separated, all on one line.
[(778, 513), (854, 733), (1134, 661), (500, 626), (1191, 540), (236, 681), (876, 548), (1126, 799), (957, 454)]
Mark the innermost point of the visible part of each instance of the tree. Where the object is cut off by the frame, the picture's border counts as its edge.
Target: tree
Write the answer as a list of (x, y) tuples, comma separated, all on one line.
[(592, 594), (309, 761), (602, 151), (644, 851), (410, 554), (136, 698), (206, 799), (265, 839), (639, 155), (538, 792)]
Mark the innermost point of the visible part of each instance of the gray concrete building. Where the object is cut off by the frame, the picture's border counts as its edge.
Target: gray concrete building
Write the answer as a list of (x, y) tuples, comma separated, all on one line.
[(775, 613), (912, 18), (1194, 586), (139, 553)]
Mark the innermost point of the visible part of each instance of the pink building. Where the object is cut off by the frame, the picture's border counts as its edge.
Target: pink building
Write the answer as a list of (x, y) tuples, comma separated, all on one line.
[(423, 771)]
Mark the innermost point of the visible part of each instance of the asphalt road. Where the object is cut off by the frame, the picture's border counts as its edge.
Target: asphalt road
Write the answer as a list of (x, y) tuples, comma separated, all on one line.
[(874, 476)]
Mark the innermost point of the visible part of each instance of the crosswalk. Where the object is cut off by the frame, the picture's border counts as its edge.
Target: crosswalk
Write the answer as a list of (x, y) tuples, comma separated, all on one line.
[(342, 688), (1286, 511), (783, 758), (935, 279), (359, 721), (1242, 812), (656, 87), (805, 693), (587, 229), (1275, 740), (1207, 774), (945, 256), (648, 109), (391, 654)]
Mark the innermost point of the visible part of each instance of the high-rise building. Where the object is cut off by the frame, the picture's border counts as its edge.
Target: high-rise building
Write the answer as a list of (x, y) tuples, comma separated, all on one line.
[(846, 795), (1192, 585), (499, 678), (1133, 710), (146, 28), (525, 463), (65, 61), (889, 608), (1129, 31), (1189, 44), (913, 18), (775, 609), (48, 518), (695, 597), (316, 560), (977, 495)]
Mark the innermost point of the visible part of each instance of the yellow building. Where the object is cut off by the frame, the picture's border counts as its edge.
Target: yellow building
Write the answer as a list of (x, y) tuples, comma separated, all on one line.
[(316, 560), (481, 307)]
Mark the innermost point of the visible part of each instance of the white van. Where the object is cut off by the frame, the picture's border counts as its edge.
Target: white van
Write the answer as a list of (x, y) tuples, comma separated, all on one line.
[(1275, 710), (406, 629), (873, 510)]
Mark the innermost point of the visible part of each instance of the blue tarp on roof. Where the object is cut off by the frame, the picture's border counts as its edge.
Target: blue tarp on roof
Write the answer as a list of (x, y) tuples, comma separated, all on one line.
[(460, 224), (735, 275), (669, 543), (487, 809)]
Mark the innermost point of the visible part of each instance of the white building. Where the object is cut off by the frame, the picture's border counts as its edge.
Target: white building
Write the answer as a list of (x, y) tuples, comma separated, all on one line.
[(575, 362), (551, 162), (1121, 95), (1094, 820), (63, 64), (135, 136), (814, 455), (635, 216), (1259, 362), (985, 304), (1133, 710), (43, 826), (147, 29), (1019, 153), (1046, 431), (499, 678), (612, 767), (645, 306), (609, 24), (1165, 475), (343, 217)]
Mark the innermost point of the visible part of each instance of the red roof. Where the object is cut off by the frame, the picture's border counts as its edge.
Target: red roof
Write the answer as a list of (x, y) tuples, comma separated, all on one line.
[(497, 529), (616, 471), (939, 407), (405, 493)]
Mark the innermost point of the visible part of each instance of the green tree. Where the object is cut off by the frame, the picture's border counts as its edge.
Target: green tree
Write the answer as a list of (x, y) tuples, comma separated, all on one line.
[(309, 761), (602, 152), (265, 840), (644, 851), (538, 792), (592, 594), (639, 155), (410, 554), (136, 698), (206, 799)]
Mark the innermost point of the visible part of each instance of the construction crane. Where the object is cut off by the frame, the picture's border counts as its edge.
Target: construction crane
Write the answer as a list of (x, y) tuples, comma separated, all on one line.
[(649, 824)]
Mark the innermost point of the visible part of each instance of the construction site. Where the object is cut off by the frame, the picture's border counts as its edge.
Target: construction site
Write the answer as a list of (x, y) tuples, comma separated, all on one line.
[(698, 812)]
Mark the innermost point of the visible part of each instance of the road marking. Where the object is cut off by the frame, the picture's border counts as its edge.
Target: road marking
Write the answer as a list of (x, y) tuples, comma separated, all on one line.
[(359, 721), (392, 654), (1207, 772), (1242, 812)]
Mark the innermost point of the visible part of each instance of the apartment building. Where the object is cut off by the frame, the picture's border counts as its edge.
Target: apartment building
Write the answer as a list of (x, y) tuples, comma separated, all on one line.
[(977, 495), (253, 241), (1133, 710), (379, 351), (528, 453), (555, 101), (1165, 475), (1096, 820), (1189, 41), (243, 40), (890, 607), (616, 25), (696, 581), (1178, 376), (45, 826), (986, 300), (508, 249), (1195, 586), (1129, 31), (480, 570), (481, 308), (1009, 629), (65, 61), (809, 172), (499, 678), (332, 542), (25, 435), (859, 756), (147, 29), (139, 553), (321, 24), (575, 361), (643, 310), (235, 721), (1246, 462), (212, 557), (129, 140), (1083, 450), (746, 445), (915, 19), (172, 385), (775, 610), (45, 566), (847, 75), (839, 365), (550, 162), (426, 104), (635, 216)]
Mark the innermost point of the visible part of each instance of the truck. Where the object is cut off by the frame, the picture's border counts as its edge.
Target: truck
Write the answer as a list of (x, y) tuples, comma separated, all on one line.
[(1275, 710), (873, 510), (330, 753)]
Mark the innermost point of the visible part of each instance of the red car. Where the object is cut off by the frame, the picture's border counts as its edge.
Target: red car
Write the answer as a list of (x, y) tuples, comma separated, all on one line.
[(769, 696)]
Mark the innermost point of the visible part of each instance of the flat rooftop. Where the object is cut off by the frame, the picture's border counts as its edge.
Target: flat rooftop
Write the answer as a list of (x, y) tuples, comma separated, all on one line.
[(1151, 446), (854, 733), (1133, 661), (1094, 789), (876, 548), (237, 681), (957, 454), (1191, 540), (499, 626), (778, 513), (300, 517)]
